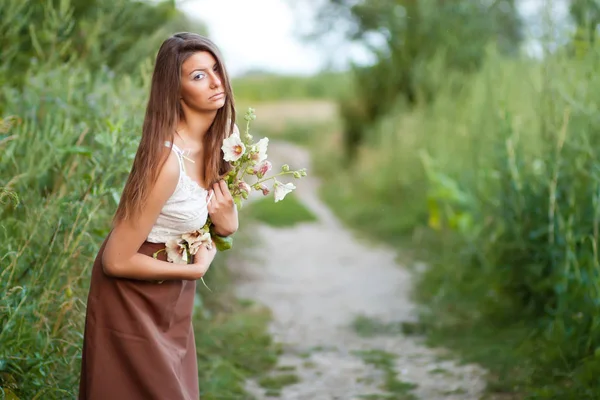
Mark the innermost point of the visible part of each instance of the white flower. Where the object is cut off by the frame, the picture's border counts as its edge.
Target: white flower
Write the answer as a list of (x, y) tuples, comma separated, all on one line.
[(259, 151), (282, 189), (233, 148), (196, 239), (176, 251)]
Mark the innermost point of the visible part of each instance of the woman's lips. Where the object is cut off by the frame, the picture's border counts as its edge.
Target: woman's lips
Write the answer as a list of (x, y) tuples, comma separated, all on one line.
[(217, 96)]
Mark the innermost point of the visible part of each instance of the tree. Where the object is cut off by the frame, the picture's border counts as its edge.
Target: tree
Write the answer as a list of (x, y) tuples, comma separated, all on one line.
[(118, 34), (586, 15), (405, 35)]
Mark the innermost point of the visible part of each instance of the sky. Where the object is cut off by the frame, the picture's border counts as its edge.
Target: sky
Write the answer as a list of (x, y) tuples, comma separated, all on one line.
[(263, 34)]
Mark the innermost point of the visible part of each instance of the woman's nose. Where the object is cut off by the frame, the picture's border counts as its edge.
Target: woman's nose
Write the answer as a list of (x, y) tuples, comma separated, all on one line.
[(216, 82)]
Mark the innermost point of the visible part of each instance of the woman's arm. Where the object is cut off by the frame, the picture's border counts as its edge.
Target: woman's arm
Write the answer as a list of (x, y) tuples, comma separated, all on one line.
[(121, 257), (222, 210)]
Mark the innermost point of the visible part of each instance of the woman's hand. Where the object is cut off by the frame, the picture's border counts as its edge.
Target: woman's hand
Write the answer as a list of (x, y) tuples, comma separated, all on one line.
[(202, 260), (222, 210)]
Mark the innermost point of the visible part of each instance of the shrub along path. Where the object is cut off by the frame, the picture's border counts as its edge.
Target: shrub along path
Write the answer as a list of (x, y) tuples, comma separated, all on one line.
[(338, 307)]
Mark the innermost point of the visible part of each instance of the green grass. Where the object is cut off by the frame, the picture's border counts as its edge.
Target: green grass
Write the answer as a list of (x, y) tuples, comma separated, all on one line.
[(262, 87), (233, 346), (277, 382), (495, 186), (368, 327), (232, 340), (304, 134), (42, 308), (65, 158), (286, 213), (395, 388)]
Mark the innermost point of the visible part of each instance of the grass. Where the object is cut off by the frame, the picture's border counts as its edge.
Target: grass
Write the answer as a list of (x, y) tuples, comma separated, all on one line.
[(267, 87), (368, 327), (233, 346), (302, 122), (68, 134), (503, 350), (286, 213), (279, 381), (394, 388), (494, 186), (232, 340), (66, 155)]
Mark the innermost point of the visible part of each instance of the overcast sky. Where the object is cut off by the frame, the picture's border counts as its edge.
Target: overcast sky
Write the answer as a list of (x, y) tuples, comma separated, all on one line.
[(262, 34)]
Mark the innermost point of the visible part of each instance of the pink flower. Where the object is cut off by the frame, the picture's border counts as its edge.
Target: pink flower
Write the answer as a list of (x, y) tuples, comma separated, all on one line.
[(265, 190), (262, 168), (244, 188)]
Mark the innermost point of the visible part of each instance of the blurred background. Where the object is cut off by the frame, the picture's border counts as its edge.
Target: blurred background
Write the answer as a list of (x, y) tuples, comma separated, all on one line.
[(462, 132)]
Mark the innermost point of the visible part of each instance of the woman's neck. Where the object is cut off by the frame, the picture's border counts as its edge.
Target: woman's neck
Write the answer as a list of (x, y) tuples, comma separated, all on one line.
[(195, 125)]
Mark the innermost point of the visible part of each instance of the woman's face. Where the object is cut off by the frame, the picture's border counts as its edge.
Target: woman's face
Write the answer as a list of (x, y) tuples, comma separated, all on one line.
[(201, 87)]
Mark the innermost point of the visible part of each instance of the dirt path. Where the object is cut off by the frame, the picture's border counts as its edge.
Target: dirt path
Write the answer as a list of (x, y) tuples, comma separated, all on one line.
[(317, 278)]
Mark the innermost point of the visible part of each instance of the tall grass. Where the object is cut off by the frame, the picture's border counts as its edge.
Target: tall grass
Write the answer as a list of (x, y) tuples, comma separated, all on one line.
[(262, 87), (65, 156), (69, 128), (497, 182)]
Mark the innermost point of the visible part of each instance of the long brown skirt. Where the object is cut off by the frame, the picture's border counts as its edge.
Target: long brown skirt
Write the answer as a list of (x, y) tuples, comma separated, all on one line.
[(138, 341)]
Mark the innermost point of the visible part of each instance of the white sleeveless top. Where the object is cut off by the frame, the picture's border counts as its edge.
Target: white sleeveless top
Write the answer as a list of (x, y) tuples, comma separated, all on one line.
[(185, 211)]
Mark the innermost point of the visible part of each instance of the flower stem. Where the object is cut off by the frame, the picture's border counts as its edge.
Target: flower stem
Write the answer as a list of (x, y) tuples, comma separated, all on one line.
[(202, 279), (273, 177)]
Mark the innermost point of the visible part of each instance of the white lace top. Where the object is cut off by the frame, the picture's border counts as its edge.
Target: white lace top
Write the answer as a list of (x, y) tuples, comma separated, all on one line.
[(185, 211)]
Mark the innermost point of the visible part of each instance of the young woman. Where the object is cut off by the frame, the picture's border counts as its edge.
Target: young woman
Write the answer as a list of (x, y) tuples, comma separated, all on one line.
[(138, 341)]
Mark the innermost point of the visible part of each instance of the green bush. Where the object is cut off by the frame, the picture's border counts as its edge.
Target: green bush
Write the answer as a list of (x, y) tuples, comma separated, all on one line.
[(498, 181), (66, 157), (114, 34)]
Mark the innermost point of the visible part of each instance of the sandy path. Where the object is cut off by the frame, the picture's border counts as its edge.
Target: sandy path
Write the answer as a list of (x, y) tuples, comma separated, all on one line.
[(317, 278)]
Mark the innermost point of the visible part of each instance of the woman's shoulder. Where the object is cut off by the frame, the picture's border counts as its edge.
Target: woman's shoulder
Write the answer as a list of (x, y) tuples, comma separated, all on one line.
[(169, 172)]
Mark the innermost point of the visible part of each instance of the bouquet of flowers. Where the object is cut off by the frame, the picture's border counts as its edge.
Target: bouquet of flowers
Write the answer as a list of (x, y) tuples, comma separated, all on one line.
[(248, 161)]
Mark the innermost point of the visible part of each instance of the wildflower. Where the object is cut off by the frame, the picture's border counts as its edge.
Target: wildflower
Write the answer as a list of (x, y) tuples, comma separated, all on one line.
[(176, 251), (196, 239), (233, 148), (282, 189), (262, 187), (265, 190), (259, 152), (244, 189), (261, 169)]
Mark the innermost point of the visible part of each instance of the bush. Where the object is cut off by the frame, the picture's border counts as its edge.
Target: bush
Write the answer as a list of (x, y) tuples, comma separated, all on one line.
[(498, 180)]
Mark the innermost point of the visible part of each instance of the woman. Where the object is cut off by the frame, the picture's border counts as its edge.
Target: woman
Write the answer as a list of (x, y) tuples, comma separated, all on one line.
[(138, 341)]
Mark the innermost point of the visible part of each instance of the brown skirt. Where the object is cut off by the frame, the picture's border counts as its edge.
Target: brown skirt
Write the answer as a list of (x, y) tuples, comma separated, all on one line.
[(138, 342)]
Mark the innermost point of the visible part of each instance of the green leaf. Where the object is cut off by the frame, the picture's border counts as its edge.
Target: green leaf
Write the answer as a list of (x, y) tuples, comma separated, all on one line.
[(222, 242)]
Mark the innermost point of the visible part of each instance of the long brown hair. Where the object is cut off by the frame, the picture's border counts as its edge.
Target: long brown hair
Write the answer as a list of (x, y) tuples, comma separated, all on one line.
[(162, 114)]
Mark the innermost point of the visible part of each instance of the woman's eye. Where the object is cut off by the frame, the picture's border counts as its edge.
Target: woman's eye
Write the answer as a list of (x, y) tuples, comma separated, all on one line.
[(198, 76)]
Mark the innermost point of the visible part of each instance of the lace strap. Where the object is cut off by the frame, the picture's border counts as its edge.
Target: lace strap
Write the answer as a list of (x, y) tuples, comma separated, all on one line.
[(178, 152)]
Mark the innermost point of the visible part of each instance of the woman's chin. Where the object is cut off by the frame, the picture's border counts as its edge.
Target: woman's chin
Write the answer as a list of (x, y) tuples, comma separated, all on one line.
[(217, 104)]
